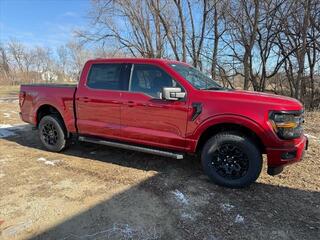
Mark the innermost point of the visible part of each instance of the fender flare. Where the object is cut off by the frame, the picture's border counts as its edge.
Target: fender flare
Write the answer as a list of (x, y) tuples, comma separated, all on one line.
[(43, 103), (230, 119)]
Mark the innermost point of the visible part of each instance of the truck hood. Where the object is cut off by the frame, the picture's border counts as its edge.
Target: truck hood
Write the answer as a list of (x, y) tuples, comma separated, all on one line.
[(273, 100)]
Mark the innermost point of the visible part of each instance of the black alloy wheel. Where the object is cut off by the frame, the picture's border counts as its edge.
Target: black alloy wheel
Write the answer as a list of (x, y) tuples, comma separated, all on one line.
[(231, 159), (52, 133)]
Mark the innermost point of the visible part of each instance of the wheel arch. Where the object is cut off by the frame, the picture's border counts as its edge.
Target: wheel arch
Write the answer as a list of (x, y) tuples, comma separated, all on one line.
[(47, 109), (243, 126)]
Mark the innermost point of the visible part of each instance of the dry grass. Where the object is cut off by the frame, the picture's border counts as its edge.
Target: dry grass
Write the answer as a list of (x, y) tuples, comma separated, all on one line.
[(9, 91)]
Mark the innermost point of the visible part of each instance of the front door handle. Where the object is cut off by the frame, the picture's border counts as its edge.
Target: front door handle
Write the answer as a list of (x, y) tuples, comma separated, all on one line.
[(84, 99), (131, 104)]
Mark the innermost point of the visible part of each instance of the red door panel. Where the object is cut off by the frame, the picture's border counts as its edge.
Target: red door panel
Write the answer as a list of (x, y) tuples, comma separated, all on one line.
[(98, 112), (98, 99), (153, 121)]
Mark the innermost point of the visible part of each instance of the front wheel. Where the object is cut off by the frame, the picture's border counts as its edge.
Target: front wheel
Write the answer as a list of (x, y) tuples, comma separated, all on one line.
[(52, 133), (231, 160)]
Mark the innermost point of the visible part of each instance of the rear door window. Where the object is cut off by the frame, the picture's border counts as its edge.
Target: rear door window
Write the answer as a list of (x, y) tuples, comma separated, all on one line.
[(107, 76)]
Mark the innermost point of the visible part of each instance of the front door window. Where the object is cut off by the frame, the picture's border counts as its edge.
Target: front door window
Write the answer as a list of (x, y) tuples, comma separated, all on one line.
[(150, 80)]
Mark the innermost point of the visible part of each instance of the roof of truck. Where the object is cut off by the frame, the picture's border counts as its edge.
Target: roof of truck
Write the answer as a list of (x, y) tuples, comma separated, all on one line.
[(137, 60)]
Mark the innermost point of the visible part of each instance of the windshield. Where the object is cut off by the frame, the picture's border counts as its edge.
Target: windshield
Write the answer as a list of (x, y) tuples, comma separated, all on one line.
[(195, 77)]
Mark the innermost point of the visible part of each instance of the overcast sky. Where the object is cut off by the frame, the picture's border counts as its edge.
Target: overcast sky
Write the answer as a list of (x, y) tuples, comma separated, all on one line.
[(41, 22)]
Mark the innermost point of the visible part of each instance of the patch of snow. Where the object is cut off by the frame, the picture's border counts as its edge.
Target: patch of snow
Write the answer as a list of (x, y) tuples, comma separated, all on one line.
[(8, 99), (16, 229), (6, 115), (119, 231), (6, 125), (211, 237), (311, 136), (6, 130), (48, 162), (239, 219), (127, 230), (227, 207), (21, 127), (93, 152), (187, 216), (180, 197)]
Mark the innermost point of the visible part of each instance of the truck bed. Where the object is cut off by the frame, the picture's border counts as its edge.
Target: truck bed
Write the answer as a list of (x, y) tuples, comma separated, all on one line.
[(35, 96)]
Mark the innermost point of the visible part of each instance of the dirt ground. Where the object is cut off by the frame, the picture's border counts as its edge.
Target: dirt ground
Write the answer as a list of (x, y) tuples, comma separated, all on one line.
[(96, 192)]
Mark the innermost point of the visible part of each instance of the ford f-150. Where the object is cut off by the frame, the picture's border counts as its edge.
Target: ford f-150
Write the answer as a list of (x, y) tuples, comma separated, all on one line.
[(171, 109)]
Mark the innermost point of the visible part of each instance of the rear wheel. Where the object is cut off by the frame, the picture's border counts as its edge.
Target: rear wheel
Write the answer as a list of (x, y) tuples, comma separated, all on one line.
[(231, 160), (52, 133)]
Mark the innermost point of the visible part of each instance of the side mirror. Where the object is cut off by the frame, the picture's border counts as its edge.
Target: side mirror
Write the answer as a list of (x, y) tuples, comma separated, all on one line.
[(172, 93)]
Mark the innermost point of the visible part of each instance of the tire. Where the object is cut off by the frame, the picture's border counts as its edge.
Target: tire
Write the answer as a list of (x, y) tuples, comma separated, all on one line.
[(52, 133), (231, 160)]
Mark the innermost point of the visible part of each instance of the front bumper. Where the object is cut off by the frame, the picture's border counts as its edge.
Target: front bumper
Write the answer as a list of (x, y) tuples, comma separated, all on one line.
[(280, 157)]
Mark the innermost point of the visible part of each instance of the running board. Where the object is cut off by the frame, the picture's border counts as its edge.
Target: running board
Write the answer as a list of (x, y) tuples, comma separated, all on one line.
[(132, 147)]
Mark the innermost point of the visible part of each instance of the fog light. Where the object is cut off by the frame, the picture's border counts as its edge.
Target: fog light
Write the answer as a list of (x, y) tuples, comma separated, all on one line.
[(289, 155)]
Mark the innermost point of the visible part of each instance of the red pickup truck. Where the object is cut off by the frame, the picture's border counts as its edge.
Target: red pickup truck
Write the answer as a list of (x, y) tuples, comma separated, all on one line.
[(171, 109)]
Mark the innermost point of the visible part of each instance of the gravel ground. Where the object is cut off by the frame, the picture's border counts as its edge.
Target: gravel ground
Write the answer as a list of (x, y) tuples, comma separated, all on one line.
[(96, 192)]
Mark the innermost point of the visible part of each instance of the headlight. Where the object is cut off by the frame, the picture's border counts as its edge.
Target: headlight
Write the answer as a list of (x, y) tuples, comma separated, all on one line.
[(287, 125)]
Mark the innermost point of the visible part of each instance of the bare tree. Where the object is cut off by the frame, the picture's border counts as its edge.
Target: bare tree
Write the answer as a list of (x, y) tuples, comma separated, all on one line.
[(313, 54), (4, 65), (174, 28), (217, 15), (135, 33), (197, 39), (78, 55), (42, 61), (22, 59), (183, 29), (62, 61), (294, 43), (243, 20)]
